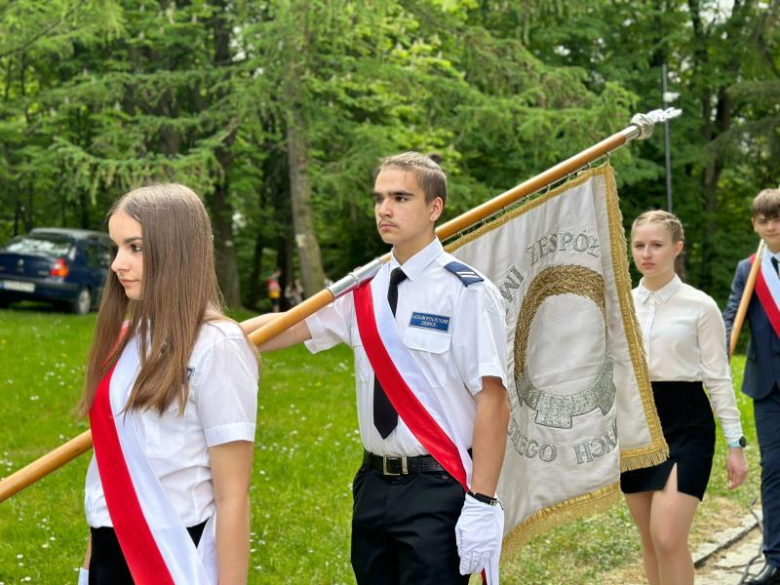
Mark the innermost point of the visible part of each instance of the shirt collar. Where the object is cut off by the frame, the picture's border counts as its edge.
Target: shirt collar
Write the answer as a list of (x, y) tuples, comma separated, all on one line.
[(664, 294), (414, 266)]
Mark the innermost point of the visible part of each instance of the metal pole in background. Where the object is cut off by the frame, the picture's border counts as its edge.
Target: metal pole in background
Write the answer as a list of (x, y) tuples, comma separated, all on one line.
[(667, 143)]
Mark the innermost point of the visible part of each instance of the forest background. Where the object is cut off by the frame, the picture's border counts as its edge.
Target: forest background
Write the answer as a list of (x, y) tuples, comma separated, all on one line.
[(276, 112)]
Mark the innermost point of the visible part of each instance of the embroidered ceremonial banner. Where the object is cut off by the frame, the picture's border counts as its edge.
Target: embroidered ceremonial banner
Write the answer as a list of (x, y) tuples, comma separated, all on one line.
[(582, 406)]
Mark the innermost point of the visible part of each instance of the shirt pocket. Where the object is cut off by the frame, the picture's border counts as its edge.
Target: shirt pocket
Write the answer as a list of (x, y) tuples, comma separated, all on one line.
[(429, 341), (164, 434), (363, 369), (433, 347)]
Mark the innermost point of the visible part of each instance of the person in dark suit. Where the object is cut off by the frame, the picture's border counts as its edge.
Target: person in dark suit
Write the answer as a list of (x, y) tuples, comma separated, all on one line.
[(762, 371)]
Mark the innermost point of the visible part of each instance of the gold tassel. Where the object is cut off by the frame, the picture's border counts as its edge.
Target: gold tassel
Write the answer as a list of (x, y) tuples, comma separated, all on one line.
[(657, 451), (548, 518)]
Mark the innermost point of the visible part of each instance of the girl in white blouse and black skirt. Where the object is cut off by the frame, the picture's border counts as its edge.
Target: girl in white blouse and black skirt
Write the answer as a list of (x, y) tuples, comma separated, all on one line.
[(684, 339)]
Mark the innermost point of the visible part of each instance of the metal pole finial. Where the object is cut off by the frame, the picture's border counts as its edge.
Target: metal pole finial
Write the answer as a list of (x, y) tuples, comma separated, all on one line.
[(646, 122)]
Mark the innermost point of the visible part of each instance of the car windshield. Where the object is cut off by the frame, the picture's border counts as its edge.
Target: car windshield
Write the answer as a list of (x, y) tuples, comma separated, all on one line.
[(51, 245)]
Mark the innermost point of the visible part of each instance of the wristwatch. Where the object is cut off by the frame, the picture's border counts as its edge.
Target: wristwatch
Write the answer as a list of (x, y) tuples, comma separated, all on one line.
[(737, 444), (483, 498)]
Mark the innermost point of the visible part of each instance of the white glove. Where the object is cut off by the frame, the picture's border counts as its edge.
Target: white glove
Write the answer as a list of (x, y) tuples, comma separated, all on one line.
[(83, 576), (478, 533)]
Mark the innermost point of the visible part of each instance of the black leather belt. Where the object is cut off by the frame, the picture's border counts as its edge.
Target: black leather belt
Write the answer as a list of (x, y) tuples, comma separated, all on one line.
[(402, 465)]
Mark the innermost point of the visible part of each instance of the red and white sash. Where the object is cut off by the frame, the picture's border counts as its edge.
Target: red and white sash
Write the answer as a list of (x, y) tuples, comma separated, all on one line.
[(768, 290), (155, 543), (408, 390)]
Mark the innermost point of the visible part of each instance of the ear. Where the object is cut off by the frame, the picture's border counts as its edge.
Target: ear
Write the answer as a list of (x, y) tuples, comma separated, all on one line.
[(678, 248), (436, 207), (753, 221)]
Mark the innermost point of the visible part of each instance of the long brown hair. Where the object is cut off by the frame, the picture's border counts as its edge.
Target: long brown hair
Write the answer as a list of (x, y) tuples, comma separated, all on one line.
[(178, 293), (673, 225)]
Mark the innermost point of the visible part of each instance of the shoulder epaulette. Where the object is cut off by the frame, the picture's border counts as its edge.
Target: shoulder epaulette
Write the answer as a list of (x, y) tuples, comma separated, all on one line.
[(464, 273)]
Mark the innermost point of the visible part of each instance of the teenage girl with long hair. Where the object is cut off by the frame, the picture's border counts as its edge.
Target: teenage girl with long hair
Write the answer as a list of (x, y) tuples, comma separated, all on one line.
[(171, 392), (684, 339)]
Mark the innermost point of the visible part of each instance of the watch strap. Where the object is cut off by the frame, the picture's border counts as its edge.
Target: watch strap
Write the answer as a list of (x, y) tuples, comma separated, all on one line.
[(483, 498), (737, 443)]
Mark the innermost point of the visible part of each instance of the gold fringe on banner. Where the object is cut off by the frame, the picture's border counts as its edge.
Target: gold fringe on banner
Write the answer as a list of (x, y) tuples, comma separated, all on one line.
[(657, 451), (551, 517)]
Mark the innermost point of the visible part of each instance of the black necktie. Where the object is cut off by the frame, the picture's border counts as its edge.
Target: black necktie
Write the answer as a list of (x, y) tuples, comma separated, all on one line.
[(385, 416), (774, 263)]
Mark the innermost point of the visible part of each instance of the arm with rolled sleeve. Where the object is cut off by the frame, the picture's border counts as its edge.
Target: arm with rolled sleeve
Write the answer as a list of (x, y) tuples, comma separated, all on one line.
[(226, 386), (326, 328), (294, 335), (479, 340), (479, 336)]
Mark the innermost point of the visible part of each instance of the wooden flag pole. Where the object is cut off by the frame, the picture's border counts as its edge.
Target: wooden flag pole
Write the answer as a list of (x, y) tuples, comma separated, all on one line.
[(640, 127), (747, 294)]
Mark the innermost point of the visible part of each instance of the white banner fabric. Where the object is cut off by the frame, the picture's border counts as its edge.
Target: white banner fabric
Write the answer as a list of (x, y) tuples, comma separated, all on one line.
[(582, 406)]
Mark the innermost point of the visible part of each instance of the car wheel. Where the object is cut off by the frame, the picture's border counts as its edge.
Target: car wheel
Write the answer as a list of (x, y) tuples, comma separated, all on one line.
[(83, 302)]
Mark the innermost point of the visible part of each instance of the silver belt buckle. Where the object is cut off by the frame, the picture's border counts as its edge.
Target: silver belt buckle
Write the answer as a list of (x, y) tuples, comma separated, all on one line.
[(404, 466)]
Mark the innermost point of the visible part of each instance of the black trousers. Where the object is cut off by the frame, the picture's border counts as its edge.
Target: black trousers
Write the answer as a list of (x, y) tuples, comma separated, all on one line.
[(107, 565), (767, 413), (403, 528)]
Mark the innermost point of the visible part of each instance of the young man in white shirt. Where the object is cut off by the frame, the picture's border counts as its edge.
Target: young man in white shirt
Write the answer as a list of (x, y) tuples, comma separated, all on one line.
[(451, 320)]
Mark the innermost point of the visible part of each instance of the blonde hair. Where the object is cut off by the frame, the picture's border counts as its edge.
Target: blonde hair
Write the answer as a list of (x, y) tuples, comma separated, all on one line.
[(673, 225), (179, 292)]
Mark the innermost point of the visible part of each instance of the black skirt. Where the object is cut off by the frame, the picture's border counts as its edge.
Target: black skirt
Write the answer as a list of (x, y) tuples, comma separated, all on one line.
[(107, 566), (689, 430)]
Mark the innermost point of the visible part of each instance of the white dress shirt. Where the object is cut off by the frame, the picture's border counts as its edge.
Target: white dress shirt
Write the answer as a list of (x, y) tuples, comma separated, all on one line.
[(453, 361), (222, 408), (685, 341)]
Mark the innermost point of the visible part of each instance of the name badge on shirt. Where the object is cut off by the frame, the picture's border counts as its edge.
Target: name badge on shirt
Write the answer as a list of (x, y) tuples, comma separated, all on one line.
[(429, 321)]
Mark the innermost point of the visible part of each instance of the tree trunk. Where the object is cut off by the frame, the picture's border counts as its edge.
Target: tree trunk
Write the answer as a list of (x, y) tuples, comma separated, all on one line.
[(712, 128), (18, 210), (83, 209), (306, 242), (224, 249), (255, 276), (284, 257), (221, 208), (29, 222)]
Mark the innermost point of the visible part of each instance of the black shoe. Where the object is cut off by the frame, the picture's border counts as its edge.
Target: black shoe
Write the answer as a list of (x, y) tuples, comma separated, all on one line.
[(769, 575)]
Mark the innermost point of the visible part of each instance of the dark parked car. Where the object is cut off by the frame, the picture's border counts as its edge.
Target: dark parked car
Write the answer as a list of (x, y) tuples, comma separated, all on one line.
[(64, 266)]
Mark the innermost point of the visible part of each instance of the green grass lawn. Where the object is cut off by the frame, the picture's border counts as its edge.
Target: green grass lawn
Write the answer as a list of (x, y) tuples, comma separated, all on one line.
[(307, 451)]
